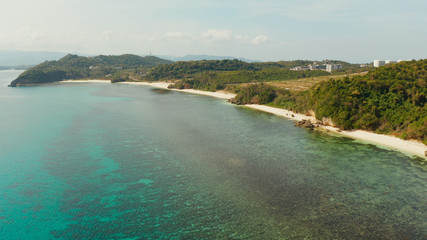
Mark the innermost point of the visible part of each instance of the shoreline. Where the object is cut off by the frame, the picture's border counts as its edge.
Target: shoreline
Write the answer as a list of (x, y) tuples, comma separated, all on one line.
[(164, 85), (409, 147), (85, 81)]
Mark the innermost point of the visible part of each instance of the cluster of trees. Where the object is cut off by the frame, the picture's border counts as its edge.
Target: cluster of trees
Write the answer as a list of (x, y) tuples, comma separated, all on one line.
[(260, 93), (185, 70), (216, 80), (346, 67), (213, 75), (390, 100), (116, 68), (190, 69)]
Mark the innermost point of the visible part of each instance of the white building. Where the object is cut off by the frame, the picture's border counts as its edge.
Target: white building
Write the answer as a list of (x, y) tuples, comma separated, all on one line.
[(333, 67), (390, 61), (299, 68), (379, 63)]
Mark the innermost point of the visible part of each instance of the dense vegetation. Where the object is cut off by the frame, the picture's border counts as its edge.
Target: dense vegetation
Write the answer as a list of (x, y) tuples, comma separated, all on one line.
[(390, 99), (115, 68), (258, 94), (217, 74), (185, 70), (213, 81), (180, 70), (206, 74)]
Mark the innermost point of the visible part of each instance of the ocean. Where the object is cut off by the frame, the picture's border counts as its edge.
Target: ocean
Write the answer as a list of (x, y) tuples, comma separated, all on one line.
[(116, 161)]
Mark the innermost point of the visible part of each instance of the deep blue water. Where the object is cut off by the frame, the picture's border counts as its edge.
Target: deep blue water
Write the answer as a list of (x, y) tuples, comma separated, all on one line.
[(102, 161)]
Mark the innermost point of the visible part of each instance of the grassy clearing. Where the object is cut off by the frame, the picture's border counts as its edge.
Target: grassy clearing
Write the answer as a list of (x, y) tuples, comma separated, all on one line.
[(305, 83)]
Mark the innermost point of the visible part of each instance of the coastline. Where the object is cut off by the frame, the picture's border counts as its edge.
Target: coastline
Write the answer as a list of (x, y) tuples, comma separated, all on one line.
[(164, 85), (410, 147), (85, 81)]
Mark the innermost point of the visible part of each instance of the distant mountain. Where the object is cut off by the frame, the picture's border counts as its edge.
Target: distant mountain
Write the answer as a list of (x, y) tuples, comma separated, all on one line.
[(16, 58), (203, 57), (116, 68)]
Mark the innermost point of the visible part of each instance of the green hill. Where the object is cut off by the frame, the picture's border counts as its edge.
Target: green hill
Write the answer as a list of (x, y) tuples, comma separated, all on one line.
[(115, 68), (389, 99), (180, 70)]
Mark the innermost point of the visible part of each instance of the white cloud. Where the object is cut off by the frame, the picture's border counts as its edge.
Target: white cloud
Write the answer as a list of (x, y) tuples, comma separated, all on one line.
[(218, 34), (227, 35), (260, 39), (241, 38)]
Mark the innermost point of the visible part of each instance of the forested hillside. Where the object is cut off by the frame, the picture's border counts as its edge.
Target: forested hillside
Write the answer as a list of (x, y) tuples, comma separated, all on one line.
[(216, 80), (181, 70), (206, 74), (390, 99), (217, 74), (115, 68)]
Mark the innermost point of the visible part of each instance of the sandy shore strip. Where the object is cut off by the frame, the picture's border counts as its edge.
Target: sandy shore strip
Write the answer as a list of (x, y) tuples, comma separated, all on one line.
[(85, 81), (217, 94), (282, 112), (406, 146), (164, 85)]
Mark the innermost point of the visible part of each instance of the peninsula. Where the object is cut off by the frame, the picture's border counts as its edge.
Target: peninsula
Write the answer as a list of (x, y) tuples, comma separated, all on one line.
[(115, 68)]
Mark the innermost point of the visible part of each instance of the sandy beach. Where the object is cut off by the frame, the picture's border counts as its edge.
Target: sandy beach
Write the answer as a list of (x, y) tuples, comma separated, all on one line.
[(406, 146), (409, 147), (86, 81), (164, 85)]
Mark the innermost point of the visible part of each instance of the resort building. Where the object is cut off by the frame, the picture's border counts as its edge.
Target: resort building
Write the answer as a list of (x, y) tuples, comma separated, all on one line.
[(390, 61), (379, 63), (315, 66), (333, 67), (299, 68)]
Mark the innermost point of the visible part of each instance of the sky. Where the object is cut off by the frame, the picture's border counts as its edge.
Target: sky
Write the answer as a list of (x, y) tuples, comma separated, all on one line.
[(356, 31)]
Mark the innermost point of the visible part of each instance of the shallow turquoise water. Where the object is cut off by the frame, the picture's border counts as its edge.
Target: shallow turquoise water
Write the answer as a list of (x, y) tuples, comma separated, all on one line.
[(101, 161)]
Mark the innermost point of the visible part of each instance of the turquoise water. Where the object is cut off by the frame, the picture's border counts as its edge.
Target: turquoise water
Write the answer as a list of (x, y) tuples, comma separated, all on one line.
[(101, 161)]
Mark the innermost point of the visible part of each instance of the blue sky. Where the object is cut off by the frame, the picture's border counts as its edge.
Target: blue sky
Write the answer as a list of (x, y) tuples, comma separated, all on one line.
[(268, 30)]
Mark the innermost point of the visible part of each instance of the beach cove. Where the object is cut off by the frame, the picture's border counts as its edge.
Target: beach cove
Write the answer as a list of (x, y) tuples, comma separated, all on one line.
[(114, 161)]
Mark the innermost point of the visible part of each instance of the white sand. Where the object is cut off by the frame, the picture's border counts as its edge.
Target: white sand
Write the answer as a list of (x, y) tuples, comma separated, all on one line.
[(85, 81), (218, 94), (164, 85), (282, 112), (406, 146)]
